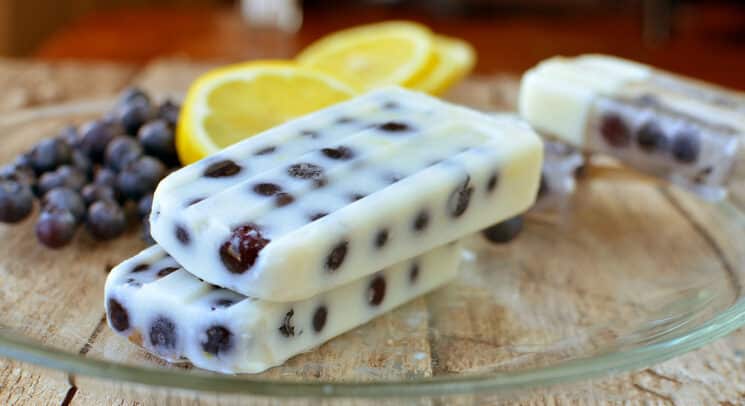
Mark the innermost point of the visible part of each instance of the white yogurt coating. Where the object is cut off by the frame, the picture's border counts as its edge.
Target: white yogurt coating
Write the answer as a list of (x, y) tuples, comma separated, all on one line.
[(672, 127), (177, 317), (419, 175)]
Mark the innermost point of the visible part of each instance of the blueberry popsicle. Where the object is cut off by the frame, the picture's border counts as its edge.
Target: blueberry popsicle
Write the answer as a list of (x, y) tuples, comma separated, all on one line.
[(153, 301), (561, 164), (668, 126), (407, 174), (559, 175)]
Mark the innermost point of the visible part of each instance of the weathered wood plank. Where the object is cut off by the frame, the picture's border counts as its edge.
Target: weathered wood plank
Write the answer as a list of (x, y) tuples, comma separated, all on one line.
[(27, 84), (22, 385)]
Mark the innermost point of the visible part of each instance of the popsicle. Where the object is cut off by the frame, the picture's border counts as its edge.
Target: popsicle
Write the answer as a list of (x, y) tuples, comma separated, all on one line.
[(559, 175), (159, 306), (668, 126), (337, 195)]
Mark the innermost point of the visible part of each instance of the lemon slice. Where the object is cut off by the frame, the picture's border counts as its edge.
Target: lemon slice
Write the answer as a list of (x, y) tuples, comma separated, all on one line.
[(369, 56), (454, 59), (232, 103)]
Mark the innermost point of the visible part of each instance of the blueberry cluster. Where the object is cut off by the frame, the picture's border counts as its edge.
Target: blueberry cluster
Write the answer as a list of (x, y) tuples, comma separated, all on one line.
[(90, 175)]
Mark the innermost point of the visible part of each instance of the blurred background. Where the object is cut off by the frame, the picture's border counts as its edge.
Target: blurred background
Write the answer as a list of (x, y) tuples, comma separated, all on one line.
[(705, 39)]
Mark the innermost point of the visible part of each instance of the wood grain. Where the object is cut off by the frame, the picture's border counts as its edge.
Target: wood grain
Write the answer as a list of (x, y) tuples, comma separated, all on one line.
[(466, 339), (27, 84)]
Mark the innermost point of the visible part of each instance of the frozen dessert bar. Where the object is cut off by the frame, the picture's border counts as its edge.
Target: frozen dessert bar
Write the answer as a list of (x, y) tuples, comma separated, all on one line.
[(153, 301), (662, 124), (561, 163), (339, 194)]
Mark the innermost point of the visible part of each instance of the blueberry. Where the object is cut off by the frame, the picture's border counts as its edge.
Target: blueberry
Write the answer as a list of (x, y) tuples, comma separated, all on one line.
[(221, 169), (133, 115), (390, 105), (339, 153), (23, 160), (394, 126), (69, 135), (310, 134), (169, 111), (266, 150), (219, 340), (318, 215), (543, 188), (145, 205), (614, 130), (133, 95), (283, 199), (686, 147), (140, 177), (105, 176), (337, 255), (421, 221), (156, 137), (319, 318), (96, 135), (166, 271), (239, 253), (307, 171), (106, 220), (376, 291), (118, 316), (81, 162), (16, 201), (183, 235), (121, 151), (94, 192), (492, 182), (460, 198), (49, 154), (286, 328), (64, 176), (56, 228), (163, 333), (413, 273), (61, 199), (146, 236), (505, 231), (18, 173), (650, 137), (267, 189), (381, 238)]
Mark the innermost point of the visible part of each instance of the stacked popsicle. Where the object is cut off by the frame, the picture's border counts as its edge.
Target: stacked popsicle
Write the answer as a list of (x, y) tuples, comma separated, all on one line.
[(291, 237), (665, 125)]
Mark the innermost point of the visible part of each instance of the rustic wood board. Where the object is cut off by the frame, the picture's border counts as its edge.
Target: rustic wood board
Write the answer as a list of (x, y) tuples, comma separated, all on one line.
[(715, 373), (26, 83)]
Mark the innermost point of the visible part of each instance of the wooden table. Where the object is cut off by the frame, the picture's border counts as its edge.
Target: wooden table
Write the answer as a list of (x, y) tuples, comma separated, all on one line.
[(715, 373)]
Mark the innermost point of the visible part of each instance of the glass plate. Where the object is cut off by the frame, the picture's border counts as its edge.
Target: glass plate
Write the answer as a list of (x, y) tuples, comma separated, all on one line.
[(627, 274)]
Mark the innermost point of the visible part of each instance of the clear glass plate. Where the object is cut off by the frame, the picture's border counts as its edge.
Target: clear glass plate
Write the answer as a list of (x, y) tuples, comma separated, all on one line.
[(628, 274)]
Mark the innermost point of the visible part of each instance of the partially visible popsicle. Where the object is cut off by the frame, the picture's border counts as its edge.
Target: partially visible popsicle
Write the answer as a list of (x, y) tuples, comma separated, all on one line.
[(561, 163), (339, 194), (153, 301), (672, 127)]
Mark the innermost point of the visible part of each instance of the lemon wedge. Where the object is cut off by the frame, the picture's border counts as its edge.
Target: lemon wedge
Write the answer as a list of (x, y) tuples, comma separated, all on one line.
[(453, 60), (232, 103), (374, 55)]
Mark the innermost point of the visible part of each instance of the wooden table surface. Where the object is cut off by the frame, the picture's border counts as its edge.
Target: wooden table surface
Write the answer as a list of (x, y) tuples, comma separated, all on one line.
[(712, 374)]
